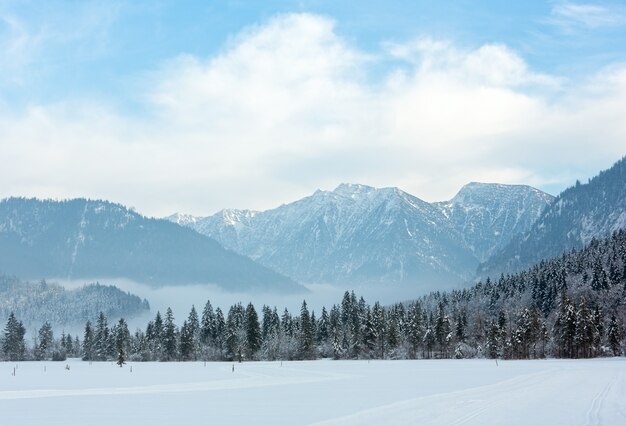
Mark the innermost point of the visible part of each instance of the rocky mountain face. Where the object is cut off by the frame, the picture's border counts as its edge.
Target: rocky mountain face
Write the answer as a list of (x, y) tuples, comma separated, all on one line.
[(182, 219), (357, 234), (488, 216), (578, 215), (85, 239)]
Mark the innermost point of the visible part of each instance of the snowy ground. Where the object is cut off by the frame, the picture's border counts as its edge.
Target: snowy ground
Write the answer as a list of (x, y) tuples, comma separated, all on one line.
[(454, 392)]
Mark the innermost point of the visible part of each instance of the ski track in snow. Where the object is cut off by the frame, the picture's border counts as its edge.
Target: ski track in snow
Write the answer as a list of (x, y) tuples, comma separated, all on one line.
[(462, 406), (443, 392), (593, 416), (484, 405), (250, 380)]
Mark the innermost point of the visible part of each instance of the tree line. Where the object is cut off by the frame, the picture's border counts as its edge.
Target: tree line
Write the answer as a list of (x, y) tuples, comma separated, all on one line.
[(571, 306)]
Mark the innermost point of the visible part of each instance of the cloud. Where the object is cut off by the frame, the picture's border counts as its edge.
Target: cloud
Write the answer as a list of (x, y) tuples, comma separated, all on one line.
[(491, 64), (571, 15), (288, 106)]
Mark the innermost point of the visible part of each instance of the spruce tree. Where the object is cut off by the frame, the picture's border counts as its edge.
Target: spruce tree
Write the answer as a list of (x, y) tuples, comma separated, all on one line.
[(194, 329), (88, 343), (220, 332), (380, 329), (305, 341), (253, 332), (121, 357), (186, 342), (46, 341), (102, 337), (207, 325), (13, 344), (236, 332), (323, 327), (613, 336), (122, 337), (170, 345)]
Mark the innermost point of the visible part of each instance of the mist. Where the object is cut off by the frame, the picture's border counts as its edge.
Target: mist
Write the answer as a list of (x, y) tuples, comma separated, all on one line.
[(181, 298)]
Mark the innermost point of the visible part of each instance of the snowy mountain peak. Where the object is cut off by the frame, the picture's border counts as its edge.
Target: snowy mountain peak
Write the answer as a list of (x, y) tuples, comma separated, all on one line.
[(579, 214), (183, 219), (488, 215), (235, 216), (353, 190), (479, 192), (358, 233)]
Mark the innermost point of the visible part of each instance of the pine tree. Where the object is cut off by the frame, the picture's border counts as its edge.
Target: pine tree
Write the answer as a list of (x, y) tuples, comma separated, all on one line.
[(415, 330), (88, 343), (207, 327), (158, 336), (69, 345), (493, 340), (565, 328), (369, 334), (253, 332), (334, 320), (46, 340), (13, 344), (220, 332), (169, 337), (599, 280), (459, 328), (194, 329), (323, 327), (613, 336), (122, 337), (186, 342), (101, 344), (380, 329), (235, 332), (429, 339), (270, 328), (442, 330), (121, 357), (305, 341)]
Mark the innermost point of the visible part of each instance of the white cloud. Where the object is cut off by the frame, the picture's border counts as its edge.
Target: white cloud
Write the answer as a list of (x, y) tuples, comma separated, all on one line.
[(569, 15), (287, 107), (491, 64)]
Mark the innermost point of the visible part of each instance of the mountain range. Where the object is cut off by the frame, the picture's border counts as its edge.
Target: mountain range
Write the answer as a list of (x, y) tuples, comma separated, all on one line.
[(358, 234), (579, 214), (354, 234), (93, 239)]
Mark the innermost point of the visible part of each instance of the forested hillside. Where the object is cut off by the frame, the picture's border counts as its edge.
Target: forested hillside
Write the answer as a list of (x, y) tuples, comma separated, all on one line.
[(570, 306), (95, 239), (37, 302), (579, 214)]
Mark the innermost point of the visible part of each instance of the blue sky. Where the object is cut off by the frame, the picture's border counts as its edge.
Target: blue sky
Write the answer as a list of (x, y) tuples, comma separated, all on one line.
[(101, 48), (196, 105)]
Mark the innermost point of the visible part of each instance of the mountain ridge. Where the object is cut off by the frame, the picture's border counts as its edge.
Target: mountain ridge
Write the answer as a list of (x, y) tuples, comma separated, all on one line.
[(359, 234), (578, 215), (82, 238)]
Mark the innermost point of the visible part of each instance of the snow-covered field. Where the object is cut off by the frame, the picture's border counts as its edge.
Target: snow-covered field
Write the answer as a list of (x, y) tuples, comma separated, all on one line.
[(452, 392)]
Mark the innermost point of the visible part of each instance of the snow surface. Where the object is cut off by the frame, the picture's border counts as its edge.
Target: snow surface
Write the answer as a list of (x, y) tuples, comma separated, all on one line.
[(450, 392)]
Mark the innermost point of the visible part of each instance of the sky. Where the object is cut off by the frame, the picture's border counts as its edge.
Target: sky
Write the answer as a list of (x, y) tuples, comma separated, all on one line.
[(195, 106)]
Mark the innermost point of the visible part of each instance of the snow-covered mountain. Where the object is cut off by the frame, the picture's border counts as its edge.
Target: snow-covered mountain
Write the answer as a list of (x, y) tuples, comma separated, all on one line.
[(182, 219), (87, 239), (577, 215), (362, 235), (488, 215)]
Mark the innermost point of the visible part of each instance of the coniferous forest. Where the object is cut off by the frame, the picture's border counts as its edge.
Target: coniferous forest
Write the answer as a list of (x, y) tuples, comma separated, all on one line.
[(571, 306)]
